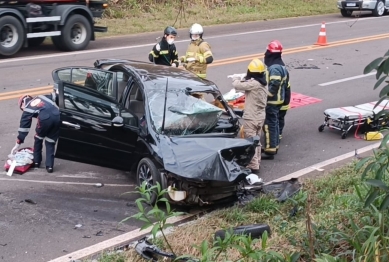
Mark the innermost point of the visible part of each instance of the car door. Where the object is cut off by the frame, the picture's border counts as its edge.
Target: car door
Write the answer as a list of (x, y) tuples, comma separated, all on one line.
[(86, 132), (100, 80)]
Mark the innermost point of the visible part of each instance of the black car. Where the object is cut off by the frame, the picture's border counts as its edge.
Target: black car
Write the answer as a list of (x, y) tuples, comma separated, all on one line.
[(148, 118)]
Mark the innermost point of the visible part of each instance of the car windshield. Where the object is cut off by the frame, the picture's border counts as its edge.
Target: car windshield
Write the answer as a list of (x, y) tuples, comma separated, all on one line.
[(185, 113)]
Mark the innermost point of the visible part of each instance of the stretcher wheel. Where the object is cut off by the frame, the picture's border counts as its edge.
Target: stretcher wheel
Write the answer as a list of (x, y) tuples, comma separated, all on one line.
[(344, 135), (321, 128)]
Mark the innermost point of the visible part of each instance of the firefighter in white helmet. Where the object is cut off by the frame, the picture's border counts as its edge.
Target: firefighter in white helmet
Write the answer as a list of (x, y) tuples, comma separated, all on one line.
[(199, 54)]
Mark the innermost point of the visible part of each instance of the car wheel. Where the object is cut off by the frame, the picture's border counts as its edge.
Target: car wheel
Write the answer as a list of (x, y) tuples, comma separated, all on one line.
[(346, 13), (11, 35), (379, 8), (148, 172), (76, 33), (255, 231), (37, 41)]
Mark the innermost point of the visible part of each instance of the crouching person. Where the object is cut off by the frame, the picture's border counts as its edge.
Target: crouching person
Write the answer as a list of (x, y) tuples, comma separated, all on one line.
[(254, 87), (48, 122)]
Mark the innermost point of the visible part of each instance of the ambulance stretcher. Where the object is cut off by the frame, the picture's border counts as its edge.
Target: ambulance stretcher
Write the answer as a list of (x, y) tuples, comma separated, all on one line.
[(345, 118)]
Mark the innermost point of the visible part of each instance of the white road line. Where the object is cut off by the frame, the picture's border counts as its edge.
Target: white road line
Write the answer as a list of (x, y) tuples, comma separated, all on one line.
[(347, 79), (132, 235), (61, 182), (11, 60)]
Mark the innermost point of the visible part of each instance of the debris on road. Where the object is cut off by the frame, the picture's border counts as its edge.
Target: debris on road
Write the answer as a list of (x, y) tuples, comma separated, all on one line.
[(99, 234), (86, 237), (77, 226), (337, 64), (30, 201), (3, 245), (99, 185)]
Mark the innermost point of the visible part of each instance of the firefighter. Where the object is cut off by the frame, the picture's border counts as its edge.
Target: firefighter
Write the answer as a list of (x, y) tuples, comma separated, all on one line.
[(284, 108), (277, 83), (199, 54), (165, 52), (43, 108), (254, 87)]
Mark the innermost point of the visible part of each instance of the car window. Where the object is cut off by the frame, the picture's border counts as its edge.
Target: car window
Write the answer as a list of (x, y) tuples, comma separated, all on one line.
[(87, 102), (101, 81), (135, 102)]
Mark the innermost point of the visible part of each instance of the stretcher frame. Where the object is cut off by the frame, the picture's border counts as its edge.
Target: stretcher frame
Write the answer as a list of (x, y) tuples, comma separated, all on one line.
[(362, 115)]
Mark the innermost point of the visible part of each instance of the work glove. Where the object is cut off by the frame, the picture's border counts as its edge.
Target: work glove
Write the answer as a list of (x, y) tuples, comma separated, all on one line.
[(15, 148), (176, 63), (191, 59), (158, 47)]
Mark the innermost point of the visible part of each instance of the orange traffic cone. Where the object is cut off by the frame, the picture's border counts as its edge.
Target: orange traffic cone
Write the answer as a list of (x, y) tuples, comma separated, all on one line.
[(322, 39)]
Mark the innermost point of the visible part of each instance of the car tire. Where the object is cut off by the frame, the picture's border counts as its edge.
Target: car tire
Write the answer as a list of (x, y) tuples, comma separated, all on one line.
[(75, 34), (147, 171), (346, 13), (37, 41), (255, 230), (379, 9), (12, 35)]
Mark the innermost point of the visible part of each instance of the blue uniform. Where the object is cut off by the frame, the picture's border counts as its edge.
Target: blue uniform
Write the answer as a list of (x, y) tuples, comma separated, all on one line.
[(48, 116)]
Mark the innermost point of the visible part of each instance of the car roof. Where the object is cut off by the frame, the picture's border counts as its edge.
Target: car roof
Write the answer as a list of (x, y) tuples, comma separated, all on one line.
[(152, 73)]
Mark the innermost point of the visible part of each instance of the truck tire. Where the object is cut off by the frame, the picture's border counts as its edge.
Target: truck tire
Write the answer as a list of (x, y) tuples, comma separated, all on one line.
[(57, 42), (346, 13), (379, 9), (11, 35), (76, 33), (37, 41)]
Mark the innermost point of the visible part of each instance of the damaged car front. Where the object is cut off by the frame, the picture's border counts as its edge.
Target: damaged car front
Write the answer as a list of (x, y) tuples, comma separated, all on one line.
[(203, 162)]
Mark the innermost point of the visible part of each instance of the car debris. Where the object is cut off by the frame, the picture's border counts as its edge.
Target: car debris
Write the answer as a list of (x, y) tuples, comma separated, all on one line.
[(99, 185), (255, 231), (77, 226), (99, 234), (30, 201)]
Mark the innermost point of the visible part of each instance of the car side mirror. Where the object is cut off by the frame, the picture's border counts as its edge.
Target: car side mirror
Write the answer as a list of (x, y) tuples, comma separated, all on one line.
[(238, 112), (118, 121)]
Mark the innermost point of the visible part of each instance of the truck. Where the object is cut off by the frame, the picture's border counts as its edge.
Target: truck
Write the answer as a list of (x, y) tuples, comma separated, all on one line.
[(377, 7), (69, 23)]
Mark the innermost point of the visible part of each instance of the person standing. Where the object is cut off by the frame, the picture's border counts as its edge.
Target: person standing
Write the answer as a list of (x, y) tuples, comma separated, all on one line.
[(48, 116), (165, 52), (254, 87), (277, 83), (198, 55)]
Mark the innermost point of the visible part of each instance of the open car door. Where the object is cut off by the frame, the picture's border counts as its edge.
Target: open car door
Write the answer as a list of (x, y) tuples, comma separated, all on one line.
[(99, 80), (89, 129)]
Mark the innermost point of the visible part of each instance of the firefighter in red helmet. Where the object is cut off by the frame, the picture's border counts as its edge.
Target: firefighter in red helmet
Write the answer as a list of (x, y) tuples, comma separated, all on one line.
[(277, 78), (44, 108)]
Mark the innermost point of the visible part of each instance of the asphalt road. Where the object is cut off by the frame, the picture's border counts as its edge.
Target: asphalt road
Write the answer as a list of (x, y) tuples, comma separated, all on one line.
[(46, 230)]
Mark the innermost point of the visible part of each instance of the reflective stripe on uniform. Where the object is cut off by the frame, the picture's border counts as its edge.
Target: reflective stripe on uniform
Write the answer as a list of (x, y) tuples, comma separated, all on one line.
[(153, 54), (30, 110), (41, 138), (275, 78), (49, 140), (24, 130), (202, 75), (164, 52)]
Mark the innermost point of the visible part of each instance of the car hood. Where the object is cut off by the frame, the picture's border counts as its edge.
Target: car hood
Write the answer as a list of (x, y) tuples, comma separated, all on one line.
[(207, 158)]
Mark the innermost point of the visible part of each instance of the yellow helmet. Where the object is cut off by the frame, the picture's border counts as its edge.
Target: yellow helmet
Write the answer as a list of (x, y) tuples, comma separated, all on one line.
[(256, 66)]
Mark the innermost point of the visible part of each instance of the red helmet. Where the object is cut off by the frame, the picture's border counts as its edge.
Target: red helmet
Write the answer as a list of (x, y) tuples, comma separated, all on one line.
[(275, 46), (24, 99)]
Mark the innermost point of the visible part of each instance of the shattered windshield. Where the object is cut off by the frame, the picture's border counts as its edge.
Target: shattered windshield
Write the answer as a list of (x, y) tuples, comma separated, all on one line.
[(185, 114)]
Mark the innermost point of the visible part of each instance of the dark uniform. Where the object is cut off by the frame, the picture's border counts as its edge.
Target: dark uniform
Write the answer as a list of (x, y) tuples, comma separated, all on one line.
[(48, 116), (167, 55), (277, 83)]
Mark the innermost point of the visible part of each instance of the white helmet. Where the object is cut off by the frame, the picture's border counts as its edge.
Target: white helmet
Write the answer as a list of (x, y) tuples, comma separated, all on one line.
[(196, 29)]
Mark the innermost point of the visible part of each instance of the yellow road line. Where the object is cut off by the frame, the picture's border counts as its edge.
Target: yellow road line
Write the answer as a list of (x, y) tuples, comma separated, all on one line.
[(226, 61)]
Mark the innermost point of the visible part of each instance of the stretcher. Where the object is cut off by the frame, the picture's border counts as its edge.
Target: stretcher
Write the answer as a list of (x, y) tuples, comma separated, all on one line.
[(21, 162), (359, 116)]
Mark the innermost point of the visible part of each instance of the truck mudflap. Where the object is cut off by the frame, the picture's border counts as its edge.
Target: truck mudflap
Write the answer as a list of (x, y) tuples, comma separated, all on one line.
[(100, 29)]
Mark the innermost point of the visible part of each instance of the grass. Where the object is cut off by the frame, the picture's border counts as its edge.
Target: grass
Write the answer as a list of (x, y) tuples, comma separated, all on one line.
[(125, 17), (334, 207)]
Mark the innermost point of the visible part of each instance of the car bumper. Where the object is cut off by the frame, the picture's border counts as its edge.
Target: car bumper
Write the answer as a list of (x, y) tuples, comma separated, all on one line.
[(357, 5)]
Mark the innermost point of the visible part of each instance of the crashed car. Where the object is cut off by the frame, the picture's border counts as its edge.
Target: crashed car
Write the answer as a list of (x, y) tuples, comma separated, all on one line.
[(149, 119)]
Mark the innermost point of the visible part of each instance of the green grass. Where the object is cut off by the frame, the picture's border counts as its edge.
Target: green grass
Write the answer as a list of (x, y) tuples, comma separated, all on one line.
[(135, 16), (335, 209)]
